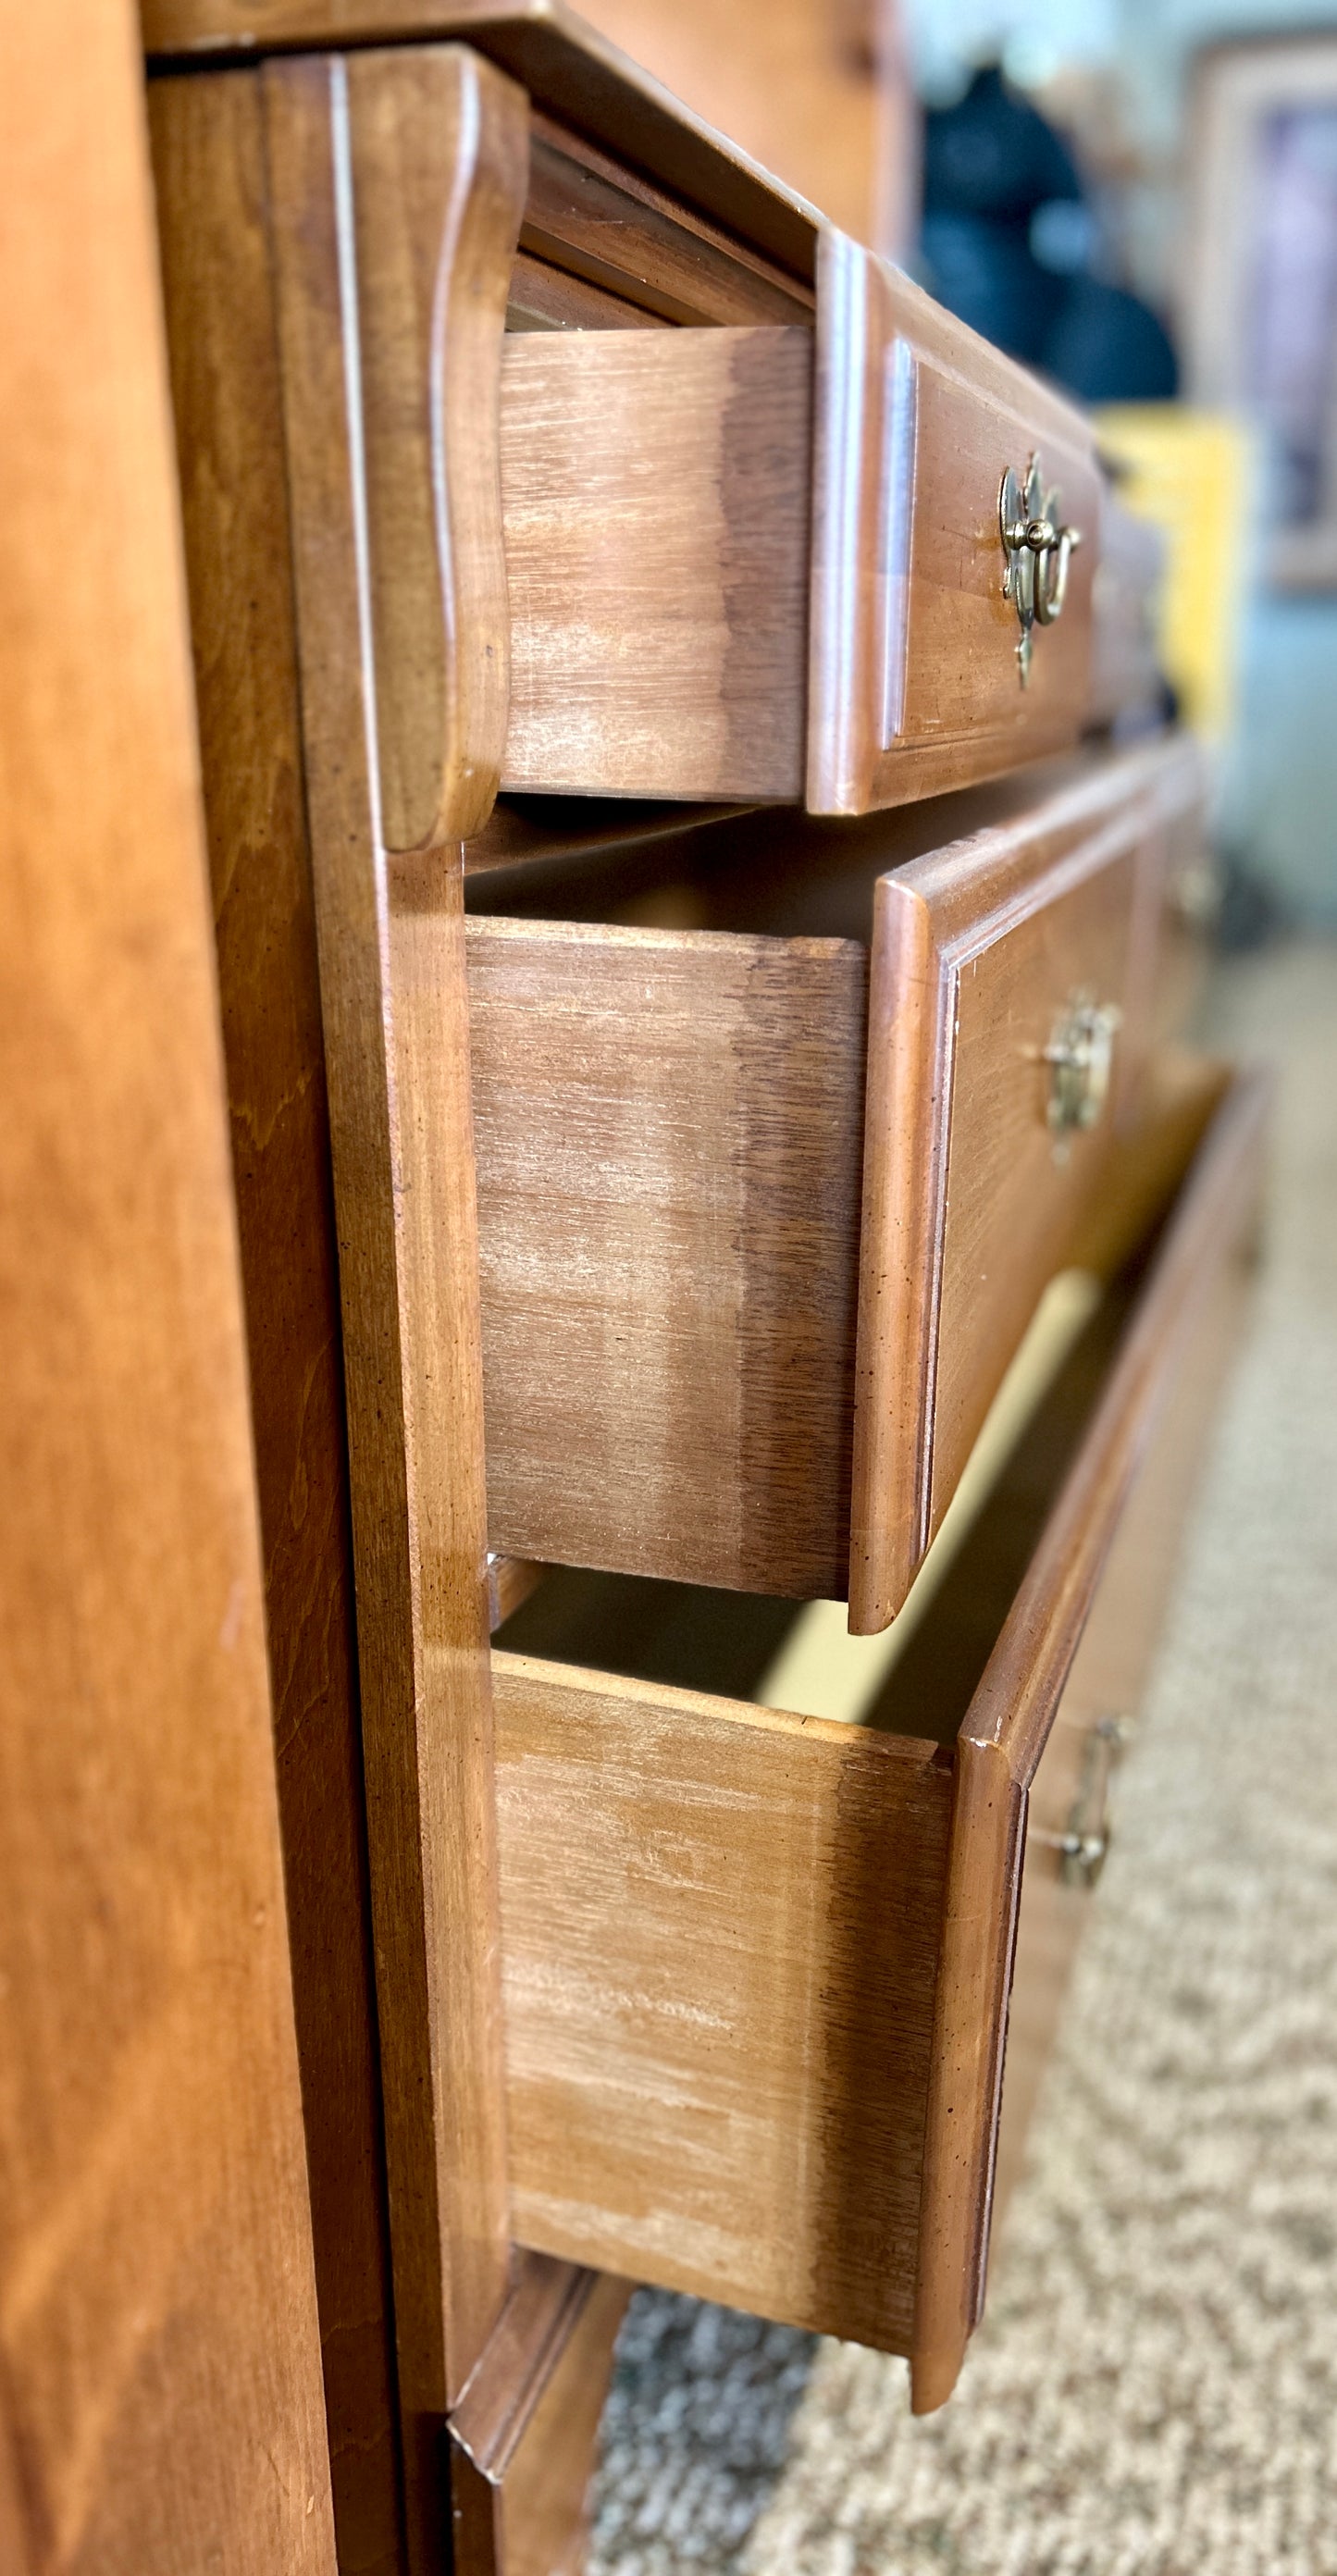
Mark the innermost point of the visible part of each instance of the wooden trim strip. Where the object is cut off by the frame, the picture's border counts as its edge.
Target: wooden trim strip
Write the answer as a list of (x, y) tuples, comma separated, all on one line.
[(431, 164), (394, 1007), (524, 2434), (1006, 1728), (584, 214), (499, 2397), (1023, 1680), (567, 68)]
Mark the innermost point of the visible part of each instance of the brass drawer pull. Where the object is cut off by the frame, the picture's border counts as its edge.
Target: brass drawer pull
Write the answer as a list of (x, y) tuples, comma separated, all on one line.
[(1037, 552), (1080, 1057), (1083, 1846)]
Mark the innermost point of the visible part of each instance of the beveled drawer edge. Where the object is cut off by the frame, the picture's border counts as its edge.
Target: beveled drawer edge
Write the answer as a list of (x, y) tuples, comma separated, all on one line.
[(1007, 1726), (932, 917)]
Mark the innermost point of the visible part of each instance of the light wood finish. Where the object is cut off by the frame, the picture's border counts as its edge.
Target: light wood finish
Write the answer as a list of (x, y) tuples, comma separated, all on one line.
[(510, 1580), (1108, 1681), (720, 1930), (439, 144), (544, 298), (673, 1138), (393, 1002), (524, 2436), (716, 592), (668, 1129), (977, 950), (209, 169), (655, 490), (914, 682), (594, 218), (757, 1965), (814, 88), (660, 489), (159, 2347), (568, 69), (1005, 1732)]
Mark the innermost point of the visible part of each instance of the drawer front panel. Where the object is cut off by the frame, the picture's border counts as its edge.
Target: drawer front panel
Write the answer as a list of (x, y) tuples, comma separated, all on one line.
[(1012, 1184), (953, 674), (1007, 1027), (1075, 1790), (914, 679)]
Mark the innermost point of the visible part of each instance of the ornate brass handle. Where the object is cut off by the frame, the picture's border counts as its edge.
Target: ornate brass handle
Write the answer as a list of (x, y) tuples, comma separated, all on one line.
[(1037, 552), (1080, 1057)]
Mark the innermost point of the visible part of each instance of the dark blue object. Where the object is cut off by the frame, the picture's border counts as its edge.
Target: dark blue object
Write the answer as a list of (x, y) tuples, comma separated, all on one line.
[(991, 164)]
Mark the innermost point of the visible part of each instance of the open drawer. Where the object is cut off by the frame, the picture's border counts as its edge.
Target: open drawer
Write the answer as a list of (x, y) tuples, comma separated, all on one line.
[(763, 1215), (754, 563), (757, 1965)]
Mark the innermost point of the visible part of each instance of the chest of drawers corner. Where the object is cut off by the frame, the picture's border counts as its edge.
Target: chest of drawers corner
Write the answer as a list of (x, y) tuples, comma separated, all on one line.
[(687, 987)]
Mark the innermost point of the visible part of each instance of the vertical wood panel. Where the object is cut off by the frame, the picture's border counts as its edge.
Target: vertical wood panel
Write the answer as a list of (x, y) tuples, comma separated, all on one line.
[(158, 2336), (208, 145), (391, 944)]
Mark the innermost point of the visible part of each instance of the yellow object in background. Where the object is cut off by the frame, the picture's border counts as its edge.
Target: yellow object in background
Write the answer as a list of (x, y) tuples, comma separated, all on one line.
[(1190, 472)]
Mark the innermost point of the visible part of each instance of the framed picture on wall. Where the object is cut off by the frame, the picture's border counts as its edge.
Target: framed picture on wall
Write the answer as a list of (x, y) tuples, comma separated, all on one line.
[(1260, 282)]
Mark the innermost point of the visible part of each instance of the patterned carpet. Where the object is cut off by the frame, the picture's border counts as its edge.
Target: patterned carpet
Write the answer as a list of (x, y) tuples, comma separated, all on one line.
[(1154, 2391)]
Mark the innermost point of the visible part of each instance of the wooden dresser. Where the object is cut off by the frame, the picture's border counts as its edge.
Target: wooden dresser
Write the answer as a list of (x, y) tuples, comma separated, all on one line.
[(693, 973)]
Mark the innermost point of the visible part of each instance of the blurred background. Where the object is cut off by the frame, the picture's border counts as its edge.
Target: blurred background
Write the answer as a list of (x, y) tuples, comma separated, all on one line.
[(1139, 198)]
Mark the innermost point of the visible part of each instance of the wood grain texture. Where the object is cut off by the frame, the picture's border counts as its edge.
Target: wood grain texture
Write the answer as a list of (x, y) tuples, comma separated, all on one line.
[(545, 298), (525, 2432), (208, 149), (670, 1170), (436, 145), (1108, 1680), (698, 1894), (567, 69), (977, 950), (160, 2395), (586, 214), (668, 1132), (720, 1932), (913, 681), (805, 85), (1008, 1724), (546, 2496), (393, 1001), (655, 492)]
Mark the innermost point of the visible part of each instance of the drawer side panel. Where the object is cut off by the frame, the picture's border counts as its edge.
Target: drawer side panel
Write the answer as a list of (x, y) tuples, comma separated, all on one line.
[(655, 491), (720, 1938), (668, 1135)]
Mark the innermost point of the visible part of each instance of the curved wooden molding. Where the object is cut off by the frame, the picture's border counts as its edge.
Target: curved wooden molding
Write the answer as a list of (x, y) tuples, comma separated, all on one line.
[(394, 189), (432, 167)]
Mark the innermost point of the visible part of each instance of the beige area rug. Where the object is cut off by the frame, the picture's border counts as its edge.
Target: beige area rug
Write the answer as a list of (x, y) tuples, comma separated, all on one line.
[(1154, 2390)]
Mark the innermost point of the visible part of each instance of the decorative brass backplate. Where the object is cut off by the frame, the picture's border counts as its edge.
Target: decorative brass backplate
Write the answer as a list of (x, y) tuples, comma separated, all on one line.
[(1036, 553), (1080, 1057)]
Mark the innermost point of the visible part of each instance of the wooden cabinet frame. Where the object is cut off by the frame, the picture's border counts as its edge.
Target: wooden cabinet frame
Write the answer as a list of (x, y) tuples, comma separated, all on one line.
[(332, 227)]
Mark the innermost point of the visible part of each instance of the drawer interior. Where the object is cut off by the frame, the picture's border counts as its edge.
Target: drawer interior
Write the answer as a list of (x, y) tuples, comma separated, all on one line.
[(779, 873), (917, 1678)]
